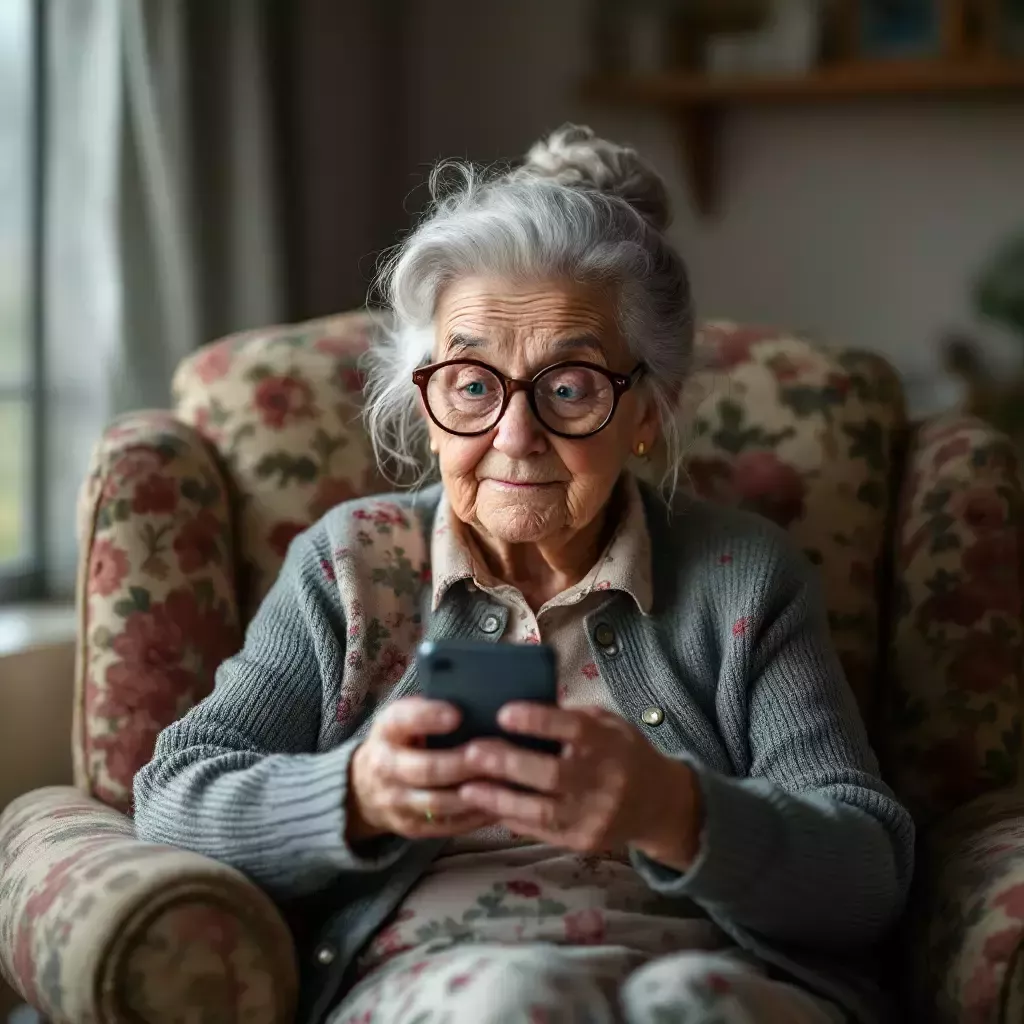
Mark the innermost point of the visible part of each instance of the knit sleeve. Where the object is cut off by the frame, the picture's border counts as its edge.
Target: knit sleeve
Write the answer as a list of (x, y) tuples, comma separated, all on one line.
[(238, 778), (808, 845)]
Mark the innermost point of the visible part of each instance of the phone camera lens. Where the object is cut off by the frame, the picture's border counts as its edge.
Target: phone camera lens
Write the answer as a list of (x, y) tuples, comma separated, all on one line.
[(442, 665)]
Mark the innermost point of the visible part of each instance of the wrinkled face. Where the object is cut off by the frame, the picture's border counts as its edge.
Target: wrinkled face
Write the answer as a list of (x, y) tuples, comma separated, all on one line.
[(519, 483)]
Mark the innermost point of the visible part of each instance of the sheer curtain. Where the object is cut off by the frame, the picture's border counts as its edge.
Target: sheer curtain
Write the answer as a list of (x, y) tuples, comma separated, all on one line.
[(162, 219)]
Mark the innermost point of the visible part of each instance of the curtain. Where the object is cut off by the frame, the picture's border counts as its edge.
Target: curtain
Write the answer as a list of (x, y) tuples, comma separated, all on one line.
[(211, 165), (199, 210), (81, 317), (162, 212)]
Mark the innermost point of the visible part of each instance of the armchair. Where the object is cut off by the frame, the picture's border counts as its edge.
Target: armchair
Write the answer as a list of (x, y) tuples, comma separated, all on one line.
[(918, 531)]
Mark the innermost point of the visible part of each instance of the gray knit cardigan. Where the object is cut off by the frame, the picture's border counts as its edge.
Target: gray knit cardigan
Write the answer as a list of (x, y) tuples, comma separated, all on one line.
[(805, 854)]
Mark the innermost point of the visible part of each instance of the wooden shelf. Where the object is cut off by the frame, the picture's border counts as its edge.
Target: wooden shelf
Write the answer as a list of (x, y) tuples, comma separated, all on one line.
[(697, 101), (842, 81)]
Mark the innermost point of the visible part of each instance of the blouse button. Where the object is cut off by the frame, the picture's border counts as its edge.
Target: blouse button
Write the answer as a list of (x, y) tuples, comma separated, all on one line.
[(604, 635), (653, 716), (325, 955), (490, 624)]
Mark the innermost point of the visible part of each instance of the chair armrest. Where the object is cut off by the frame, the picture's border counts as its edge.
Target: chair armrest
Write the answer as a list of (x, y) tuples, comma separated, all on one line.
[(98, 926), (967, 915), (955, 674), (156, 594)]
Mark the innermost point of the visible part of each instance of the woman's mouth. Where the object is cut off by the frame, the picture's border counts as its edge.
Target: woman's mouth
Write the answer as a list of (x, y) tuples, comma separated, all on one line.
[(519, 485)]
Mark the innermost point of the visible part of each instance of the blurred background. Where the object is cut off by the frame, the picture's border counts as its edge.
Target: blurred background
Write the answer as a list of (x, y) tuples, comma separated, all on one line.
[(171, 170)]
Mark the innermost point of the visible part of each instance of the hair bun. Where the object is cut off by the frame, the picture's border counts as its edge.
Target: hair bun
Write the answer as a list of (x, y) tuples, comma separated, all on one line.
[(573, 155)]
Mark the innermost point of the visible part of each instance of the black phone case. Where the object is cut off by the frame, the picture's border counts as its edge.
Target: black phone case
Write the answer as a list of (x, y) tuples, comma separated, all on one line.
[(480, 678)]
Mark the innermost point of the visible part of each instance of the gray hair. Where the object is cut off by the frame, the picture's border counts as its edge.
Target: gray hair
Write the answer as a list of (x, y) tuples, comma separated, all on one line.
[(578, 208)]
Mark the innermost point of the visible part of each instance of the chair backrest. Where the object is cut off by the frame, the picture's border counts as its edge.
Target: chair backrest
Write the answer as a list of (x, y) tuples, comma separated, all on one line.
[(282, 405), (804, 435)]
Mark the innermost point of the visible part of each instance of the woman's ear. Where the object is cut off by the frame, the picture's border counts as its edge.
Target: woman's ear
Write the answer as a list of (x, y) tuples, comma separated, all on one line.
[(648, 426)]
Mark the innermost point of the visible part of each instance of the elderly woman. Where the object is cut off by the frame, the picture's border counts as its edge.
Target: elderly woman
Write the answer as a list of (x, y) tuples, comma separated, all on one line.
[(713, 842)]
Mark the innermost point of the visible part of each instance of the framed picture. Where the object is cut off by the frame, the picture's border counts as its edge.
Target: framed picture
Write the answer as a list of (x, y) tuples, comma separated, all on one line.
[(900, 28)]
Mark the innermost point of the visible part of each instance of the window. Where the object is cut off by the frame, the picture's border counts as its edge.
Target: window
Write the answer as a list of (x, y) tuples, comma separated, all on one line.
[(20, 351)]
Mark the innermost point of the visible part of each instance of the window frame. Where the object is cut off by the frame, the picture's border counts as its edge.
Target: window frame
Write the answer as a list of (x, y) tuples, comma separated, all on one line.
[(25, 579)]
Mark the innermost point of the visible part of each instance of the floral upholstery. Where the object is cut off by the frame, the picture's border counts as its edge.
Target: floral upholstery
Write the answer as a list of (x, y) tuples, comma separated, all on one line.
[(953, 706), (156, 595), (96, 926), (807, 437), (282, 407), (966, 931), (185, 519)]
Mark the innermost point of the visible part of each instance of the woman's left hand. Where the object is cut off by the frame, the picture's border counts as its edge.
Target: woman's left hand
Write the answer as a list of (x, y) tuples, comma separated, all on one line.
[(607, 789)]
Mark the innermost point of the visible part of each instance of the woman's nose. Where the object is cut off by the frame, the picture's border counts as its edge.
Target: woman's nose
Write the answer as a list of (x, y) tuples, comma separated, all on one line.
[(519, 434)]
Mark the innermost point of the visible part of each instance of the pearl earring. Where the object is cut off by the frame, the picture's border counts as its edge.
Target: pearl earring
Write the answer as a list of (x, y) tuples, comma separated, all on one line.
[(641, 449)]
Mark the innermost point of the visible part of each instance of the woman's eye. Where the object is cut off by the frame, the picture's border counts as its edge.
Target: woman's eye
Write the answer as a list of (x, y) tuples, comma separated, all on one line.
[(568, 389), (470, 387)]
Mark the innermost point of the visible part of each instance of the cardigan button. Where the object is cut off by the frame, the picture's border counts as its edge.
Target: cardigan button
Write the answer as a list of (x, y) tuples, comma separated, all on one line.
[(605, 635), (326, 955), (490, 624), (653, 716)]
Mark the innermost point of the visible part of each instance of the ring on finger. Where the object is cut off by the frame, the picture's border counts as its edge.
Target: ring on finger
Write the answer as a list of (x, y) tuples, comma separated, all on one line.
[(429, 815)]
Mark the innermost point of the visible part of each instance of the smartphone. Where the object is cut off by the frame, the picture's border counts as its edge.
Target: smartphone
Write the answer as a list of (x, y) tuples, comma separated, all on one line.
[(480, 678)]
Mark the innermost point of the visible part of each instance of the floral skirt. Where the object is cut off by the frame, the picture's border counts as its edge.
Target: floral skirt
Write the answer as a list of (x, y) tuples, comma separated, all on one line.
[(541, 983)]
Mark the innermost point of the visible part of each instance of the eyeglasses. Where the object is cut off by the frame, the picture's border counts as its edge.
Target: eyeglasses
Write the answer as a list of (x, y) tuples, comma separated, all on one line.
[(572, 399)]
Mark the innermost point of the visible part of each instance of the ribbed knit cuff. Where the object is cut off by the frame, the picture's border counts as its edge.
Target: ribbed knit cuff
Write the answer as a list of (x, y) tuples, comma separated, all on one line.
[(739, 842), (308, 791)]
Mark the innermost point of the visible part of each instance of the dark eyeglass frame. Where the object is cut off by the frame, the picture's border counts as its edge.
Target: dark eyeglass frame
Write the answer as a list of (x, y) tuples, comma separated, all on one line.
[(620, 382)]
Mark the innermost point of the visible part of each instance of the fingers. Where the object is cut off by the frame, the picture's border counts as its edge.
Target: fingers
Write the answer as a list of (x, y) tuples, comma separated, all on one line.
[(438, 803), (426, 814), (502, 761), (532, 812), (428, 769), (541, 720), (405, 721)]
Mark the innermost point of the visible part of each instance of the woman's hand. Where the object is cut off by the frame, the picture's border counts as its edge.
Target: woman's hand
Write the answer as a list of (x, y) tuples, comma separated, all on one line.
[(609, 787), (395, 786)]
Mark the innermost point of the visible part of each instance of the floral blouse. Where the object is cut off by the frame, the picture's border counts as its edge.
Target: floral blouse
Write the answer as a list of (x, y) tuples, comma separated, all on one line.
[(493, 886)]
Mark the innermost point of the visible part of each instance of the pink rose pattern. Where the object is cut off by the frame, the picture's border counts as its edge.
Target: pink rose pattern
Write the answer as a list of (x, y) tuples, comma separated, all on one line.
[(108, 566)]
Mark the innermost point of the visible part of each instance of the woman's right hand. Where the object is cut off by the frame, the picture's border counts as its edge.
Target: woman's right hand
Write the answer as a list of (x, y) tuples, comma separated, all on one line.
[(397, 787)]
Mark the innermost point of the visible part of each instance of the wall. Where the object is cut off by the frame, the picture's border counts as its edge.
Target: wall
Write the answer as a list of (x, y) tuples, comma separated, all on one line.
[(36, 686), (862, 223), (35, 729), (344, 165)]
